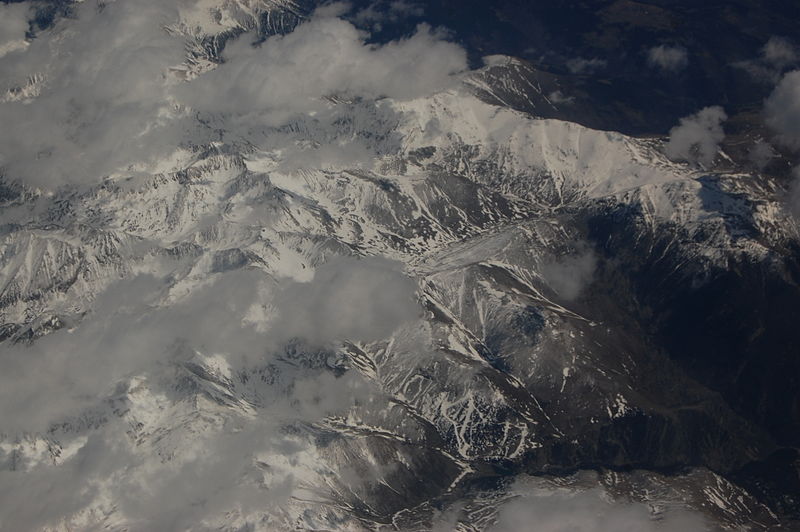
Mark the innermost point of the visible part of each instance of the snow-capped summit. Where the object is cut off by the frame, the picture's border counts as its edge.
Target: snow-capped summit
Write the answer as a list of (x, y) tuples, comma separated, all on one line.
[(371, 304)]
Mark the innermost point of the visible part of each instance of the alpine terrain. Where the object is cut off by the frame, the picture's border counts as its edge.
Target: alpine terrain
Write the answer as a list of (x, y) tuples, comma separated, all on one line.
[(275, 265)]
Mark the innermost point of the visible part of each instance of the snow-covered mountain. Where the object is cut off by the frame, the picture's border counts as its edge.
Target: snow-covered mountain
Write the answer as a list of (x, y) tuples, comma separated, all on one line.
[(417, 312)]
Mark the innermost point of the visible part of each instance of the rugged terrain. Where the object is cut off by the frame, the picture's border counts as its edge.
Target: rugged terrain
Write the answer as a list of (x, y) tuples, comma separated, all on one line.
[(501, 304)]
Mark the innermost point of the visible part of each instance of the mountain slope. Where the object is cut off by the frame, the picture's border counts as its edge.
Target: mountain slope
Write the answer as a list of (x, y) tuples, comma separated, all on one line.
[(397, 313)]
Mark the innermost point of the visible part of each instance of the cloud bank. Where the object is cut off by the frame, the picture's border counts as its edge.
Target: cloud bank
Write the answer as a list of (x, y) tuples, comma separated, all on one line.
[(240, 315), (696, 138), (348, 299), (586, 511), (133, 345), (326, 56), (13, 26), (111, 93), (103, 101)]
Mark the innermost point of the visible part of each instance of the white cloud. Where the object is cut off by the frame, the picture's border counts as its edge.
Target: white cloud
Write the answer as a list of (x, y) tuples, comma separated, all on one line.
[(131, 337), (580, 65), (558, 97), (696, 139), (585, 511), (104, 101), (761, 153), (124, 337), (777, 55), (348, 299), (69, 375), (289, 75), (375, 15), (782, 110), (780, 52), (242, 468), (668, 58), (570, 274), (341, 154), (110, 96), (794, 193), (129, 333), (13, 26)]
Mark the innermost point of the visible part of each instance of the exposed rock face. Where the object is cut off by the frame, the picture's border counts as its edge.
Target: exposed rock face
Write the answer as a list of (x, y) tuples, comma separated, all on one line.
[(584, 304)]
